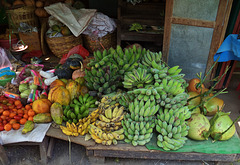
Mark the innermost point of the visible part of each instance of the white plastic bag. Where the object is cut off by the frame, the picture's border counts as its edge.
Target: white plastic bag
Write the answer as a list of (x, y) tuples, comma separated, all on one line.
[(4, 61)]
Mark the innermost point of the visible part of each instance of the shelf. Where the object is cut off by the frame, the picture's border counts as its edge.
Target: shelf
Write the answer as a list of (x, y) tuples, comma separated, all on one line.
[(138, 36)]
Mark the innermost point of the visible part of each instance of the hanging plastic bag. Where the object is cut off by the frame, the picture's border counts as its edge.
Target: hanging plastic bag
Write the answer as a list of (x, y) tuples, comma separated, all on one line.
[(4, 61)]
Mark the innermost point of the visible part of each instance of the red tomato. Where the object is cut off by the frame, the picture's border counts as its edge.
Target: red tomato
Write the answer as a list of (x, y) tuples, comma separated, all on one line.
[(4, 122), (20, 114), (1, 127), (17, 117)]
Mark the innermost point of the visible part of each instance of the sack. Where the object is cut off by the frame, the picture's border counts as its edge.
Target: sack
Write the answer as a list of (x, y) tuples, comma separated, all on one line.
[(75, 50), (4, 61)]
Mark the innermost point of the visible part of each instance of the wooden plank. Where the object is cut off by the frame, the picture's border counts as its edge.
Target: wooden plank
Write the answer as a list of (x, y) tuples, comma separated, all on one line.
[(3, 156), (230, 74), (134, 36), (222, 17), (146, 21), (167, 29), (218, 86), (193, 22), (50, 147), (43, 150), (129, 151), (57, 133)]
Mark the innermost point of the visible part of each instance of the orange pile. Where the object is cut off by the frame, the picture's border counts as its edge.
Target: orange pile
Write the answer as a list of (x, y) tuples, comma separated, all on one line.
[(13, 113)]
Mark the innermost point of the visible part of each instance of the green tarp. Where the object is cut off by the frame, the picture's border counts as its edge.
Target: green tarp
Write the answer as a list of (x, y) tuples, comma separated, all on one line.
[(231, 146)]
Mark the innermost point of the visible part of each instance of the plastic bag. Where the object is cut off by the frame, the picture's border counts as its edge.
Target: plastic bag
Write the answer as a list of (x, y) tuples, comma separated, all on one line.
[(79, 49), (4, 61)]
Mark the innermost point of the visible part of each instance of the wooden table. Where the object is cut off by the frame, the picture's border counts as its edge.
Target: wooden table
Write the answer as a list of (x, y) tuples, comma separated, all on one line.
[(97, 152)]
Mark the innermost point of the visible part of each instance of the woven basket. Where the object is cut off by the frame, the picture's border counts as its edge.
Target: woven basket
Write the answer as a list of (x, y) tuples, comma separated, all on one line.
[(95, 43), (61, 45), (32, 39), (23, 14)]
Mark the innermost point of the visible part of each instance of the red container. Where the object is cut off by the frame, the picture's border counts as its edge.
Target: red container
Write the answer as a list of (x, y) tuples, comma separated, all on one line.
[(5, 43)]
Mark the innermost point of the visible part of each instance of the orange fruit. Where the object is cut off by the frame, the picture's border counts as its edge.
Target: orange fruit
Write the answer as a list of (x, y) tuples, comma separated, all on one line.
[(27, 107), (12, 114), (30, 118), (6, 113), (31, 112), (7, 127), (25, 116), (23, 121), (17, 102), (20, 111), (15, 126), (12, 121)]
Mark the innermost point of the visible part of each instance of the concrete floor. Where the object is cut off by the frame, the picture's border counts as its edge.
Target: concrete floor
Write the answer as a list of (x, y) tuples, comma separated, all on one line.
[(29, 155)]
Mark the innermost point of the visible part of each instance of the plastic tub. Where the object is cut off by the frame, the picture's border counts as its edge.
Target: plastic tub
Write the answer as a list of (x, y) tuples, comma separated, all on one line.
[(5, 43), (5, 81)]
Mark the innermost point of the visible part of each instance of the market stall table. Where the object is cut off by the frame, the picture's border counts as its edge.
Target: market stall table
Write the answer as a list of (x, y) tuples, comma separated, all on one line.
[(97, 152)]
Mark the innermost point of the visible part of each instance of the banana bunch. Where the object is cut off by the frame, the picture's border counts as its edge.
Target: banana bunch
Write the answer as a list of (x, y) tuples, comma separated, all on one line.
[(148, 93), (101, 137), (138, 132), (100, 59), (103, 80), (137, 78), (183, 110), (141, 108), (125, 99), (84, 124), (112, 115), (149, 56), (172, 129), (172, 86), (127, 59), (169, 101), (70, 129)]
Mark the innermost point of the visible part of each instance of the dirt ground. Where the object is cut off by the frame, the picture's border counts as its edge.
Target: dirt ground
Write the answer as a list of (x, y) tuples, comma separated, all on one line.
[(74, 154)]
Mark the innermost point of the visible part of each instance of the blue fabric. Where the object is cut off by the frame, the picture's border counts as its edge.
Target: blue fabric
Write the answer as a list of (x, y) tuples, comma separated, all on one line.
[(229, 50)]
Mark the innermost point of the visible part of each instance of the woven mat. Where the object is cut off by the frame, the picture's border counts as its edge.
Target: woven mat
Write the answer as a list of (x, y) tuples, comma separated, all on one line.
[(231, 146)]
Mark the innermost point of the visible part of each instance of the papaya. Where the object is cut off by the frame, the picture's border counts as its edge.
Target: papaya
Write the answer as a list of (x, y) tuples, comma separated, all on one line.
[(74, 89), (59, 94), (28, 126), (41, 106), (56, 111), (42, 118), (57, 82)]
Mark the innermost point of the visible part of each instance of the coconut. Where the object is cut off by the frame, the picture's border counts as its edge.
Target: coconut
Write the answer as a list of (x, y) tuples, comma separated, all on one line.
[(198, 126), (220, 125)]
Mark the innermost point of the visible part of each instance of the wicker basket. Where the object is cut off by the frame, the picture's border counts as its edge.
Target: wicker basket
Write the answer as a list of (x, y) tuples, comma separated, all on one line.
[(61, 45), (94, 43), (23, 14), (32, 39)]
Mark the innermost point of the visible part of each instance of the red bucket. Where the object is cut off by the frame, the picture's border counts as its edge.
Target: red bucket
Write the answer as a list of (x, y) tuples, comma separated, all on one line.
[(5, 43)]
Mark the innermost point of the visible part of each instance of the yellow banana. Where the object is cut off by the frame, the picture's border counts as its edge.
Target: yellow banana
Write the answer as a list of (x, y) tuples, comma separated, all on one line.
[(104, 142), (108, 113), (64, 128), (94, 136), (110, 136), (105, 137), (117, 119), (103, 118), (74, 128), (109, 142), (75, 134), (67, 132), (115, 135), (98, 141), (69, 127), (114, 113), (120, 131), (120, 111), (118, 124)]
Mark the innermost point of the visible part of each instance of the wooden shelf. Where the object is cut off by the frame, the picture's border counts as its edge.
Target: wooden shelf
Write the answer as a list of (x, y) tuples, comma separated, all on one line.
[(146, 13)]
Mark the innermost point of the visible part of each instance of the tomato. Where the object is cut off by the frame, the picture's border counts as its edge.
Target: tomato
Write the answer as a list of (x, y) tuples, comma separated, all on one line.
[(11, 106), (5, 101), (20, 114), (1, 110), (1, 127), (11, 102), (17, 117), (3, 117), (4, 122), (194, 85)]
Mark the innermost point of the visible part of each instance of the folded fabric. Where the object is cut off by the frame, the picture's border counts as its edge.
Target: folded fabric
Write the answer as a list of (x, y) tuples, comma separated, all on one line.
[(229, 50)]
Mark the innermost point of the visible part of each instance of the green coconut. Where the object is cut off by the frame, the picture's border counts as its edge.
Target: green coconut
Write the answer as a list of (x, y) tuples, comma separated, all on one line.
[(199, 125), (220, 124)]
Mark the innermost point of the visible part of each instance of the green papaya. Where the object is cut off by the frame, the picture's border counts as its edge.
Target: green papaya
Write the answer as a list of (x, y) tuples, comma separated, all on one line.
[(28, 126), (56, 111), (42, 118)]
